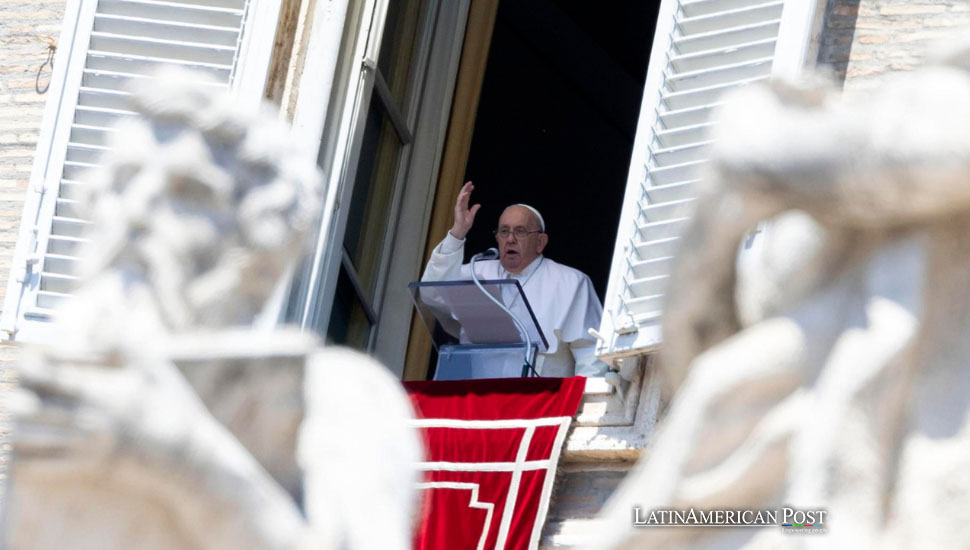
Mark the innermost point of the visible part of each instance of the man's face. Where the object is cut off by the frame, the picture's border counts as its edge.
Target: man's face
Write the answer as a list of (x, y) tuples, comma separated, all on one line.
[(515, 253)]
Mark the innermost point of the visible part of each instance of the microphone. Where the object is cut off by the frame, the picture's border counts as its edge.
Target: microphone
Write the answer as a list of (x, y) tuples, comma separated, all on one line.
[(491, 254)]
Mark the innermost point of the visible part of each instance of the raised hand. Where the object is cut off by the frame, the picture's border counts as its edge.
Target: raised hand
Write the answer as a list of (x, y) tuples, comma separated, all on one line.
[(464, 216)]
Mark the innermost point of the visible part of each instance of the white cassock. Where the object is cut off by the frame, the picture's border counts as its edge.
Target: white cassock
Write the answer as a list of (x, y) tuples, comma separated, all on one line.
[(562, 298)]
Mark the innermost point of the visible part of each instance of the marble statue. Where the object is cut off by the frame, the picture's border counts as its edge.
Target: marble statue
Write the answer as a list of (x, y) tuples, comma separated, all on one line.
[(156, 417), (832, 371)]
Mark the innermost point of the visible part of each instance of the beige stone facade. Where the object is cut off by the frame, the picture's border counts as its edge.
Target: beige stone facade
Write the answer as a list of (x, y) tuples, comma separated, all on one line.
[(28, 30), (866, 40)]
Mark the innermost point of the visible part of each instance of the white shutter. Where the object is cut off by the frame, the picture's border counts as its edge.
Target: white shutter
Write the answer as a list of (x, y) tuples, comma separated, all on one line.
[(702, 48), (104, 45)]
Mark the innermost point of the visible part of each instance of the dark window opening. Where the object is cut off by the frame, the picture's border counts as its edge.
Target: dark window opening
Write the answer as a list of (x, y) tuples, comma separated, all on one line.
[(556, 122)]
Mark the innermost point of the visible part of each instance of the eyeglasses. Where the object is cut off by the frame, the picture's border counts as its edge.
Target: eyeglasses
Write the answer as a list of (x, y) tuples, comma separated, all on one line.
[(519, 232)]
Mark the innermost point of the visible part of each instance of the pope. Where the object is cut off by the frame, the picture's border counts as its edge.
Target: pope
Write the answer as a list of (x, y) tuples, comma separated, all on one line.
[(563, 299)]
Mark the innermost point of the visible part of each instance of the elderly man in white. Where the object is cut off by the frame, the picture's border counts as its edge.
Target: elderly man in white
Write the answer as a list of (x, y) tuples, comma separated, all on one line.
[(562, 298)]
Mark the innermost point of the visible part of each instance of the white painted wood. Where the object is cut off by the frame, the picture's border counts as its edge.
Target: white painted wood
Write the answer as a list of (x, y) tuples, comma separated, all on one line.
[(315, 88), (409, 109), (104, 46), (255, 49), (798, 39), (334, 156), (411, 230), (615, 318), (702, 48), (63, 91), (340, 155)]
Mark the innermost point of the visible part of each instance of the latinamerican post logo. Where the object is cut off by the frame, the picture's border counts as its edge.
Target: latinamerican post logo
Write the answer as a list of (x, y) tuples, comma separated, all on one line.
[(790, 520)]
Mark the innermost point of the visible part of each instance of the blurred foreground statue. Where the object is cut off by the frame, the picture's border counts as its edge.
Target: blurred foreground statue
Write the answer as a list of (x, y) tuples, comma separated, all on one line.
[(157, 419), (833, 371)]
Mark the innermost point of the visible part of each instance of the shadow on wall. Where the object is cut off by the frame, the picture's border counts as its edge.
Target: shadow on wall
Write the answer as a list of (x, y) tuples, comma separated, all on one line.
[(838, 35)]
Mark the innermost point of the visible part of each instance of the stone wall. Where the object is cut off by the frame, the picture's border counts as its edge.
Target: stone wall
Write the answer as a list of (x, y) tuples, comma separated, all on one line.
[(28, 28), (866, 40), (580, 492)]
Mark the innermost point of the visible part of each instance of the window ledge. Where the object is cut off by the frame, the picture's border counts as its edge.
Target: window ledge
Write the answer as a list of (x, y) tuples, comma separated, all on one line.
[(616, 423)]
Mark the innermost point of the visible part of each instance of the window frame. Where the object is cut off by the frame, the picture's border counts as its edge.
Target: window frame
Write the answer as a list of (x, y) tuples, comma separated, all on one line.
[(795, 51), (317, 280)]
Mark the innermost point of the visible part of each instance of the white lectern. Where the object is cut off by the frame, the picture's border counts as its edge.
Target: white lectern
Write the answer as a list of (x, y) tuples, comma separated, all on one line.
[(474, 338)]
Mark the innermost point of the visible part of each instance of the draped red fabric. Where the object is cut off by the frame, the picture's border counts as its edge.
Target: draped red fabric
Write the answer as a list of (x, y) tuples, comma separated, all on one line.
[(492, 447)]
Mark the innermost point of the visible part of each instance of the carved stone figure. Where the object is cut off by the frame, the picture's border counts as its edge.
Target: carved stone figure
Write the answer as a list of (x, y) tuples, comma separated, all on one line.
[(156, 418), (835, 372)]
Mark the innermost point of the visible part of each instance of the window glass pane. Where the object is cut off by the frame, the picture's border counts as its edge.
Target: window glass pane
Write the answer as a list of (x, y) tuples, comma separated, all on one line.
[(370, 204), (398, 44), (348, 322)]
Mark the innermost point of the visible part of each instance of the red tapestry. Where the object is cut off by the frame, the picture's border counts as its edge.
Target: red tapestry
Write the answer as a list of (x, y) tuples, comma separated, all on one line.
[(492, 451)]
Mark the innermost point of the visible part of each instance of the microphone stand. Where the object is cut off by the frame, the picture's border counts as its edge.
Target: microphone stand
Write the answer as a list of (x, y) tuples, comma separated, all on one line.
[(527, 367)]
